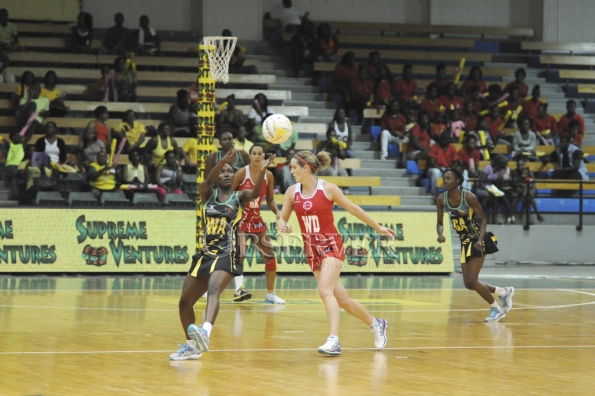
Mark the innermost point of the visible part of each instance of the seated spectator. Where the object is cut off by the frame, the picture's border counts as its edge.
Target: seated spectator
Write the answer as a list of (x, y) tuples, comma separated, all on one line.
[(36, 176), (35, 105), (495, 188), (327, 45), (524, 188), (189, 153), (336, 152), (236, 62), (545, 125), (469, 155), (441, 81), (81, 34), (134, 173), (241, 142), (169, 177), (258, 113), (455, 126), (158, 146), (493, 96), (360, 93), (53, 94), (15, 155), (495, 125), (431, 104), (179, 114), (439, 125), (230, 114), (289, 16), (145, 38), (22, 91), (89, 147), (289, 144), (5, 75), (442, 155), (99, 124), (569, 158), (101, 176), (469, 117), (530, 105), (519, 83), (514, 104), (9, 37), (383, 86), (117, 38), (132, 130), (226, 142), (405, 87), (450, 100), (524, 140), (570, 115), (373, 65), (476, 99), (345, 72), (55, 148), (483, 136), (419, 139), (475, 79), (575, 137), (343, 131), (303, 47), (125, 79), (105, 86), (284, 177), (393, 125)]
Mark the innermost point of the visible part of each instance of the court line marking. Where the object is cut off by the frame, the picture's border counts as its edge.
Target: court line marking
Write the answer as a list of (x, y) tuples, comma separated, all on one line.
[(578, 291), (253, 289), (307, 349)]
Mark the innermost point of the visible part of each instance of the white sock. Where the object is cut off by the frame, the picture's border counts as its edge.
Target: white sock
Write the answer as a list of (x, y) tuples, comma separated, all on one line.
[(239, 280), (495, 305), (500, 291), (191, 343), (335, 337), (208, 327)]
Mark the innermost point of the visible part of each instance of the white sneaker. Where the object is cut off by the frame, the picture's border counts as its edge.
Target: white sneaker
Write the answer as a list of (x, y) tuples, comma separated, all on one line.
[(199, 335), (205, 295), (379, 329), (507, 299), (495, 191), (383, 157), (495, 315), (186, 352), (330, 347), (272, 298)]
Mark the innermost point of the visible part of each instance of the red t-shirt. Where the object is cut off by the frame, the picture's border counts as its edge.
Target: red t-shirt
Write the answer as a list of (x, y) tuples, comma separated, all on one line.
[(361, 89), (441, 85), (494, 126), (437, 130), (444, 159), (431, 108), (423, 138), (565, 120), (344, 72), (467, 85), (383, 91), (530, 108), (523, 89), (477, 106), (543, 125), (464, 157), (371, 72), (406, 90), (470, 122), (393, 124), (455, 102), (512, 106)]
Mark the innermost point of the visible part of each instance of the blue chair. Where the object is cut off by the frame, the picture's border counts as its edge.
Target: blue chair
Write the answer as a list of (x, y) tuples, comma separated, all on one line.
[(393, 149), (375, 132), (412, 168)]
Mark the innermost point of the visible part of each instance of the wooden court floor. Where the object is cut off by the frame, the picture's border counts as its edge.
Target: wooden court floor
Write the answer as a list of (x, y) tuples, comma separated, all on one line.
[(113, 336)]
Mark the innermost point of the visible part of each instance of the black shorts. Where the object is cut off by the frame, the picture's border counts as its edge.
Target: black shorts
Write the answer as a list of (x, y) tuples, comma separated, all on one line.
[(204, 264), (468, 250)]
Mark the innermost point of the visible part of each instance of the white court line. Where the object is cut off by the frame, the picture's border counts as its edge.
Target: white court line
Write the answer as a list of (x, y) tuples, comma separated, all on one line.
[(253, 289), (578, 291), (307, 349)]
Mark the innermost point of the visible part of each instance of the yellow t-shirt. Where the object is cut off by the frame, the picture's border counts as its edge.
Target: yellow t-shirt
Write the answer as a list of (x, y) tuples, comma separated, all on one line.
[(246, 146), (51, 95), (43, 104), (105, 182), (132, 134), (191, 148)]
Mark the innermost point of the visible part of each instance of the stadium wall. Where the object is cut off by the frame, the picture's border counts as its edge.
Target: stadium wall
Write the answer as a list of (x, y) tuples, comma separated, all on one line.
[(543, 243), (568, 21)]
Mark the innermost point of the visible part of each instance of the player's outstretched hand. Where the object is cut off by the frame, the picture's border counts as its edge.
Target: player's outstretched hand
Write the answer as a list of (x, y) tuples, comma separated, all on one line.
[(266, 163), (230, 154), (441, 239), (387, 232)]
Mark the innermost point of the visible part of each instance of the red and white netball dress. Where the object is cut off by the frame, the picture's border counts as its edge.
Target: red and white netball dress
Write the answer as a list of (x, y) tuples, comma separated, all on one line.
[(251, 218), (315, 215)]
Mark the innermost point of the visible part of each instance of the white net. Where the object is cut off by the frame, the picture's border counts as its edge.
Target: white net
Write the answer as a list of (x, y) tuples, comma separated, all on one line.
[(219, 51)]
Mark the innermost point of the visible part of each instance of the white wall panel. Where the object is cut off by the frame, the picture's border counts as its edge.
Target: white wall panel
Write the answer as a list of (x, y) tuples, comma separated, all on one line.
[(569, 21), (242, 17), (471, 12)]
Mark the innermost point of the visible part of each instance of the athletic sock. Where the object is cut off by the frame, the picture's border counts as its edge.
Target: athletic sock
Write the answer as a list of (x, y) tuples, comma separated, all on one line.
[(239, 280), (500, 291), (495, 305), (335, 337), (208, 327), (191, 343)]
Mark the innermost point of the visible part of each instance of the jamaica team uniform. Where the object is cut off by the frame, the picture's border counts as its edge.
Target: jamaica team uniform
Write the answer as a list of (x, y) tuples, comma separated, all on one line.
[(251, 219), (315, 215), (466, 225), (221, 250)]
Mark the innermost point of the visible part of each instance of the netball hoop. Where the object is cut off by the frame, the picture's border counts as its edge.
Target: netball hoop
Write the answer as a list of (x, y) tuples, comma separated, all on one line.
[(219, 50)]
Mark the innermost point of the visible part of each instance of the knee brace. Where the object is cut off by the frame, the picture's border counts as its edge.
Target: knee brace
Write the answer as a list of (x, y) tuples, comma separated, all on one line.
[(271, 265)]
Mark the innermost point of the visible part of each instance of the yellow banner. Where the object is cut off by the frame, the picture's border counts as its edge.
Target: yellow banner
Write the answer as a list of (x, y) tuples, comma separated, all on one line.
[(129, 241)]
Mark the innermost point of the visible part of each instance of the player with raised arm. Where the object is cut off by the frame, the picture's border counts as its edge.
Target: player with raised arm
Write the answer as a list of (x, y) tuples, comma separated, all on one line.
[(313, 200)]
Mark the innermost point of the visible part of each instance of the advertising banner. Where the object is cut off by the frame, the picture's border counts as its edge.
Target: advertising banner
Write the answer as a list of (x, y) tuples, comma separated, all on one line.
[(144, 241)]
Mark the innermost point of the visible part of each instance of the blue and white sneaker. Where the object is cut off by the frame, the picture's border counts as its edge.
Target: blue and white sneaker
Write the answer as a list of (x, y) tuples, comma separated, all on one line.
[(495, 315), (379, 329), (199, 335), (272, 298), (186, 352), (330, 347), (507, 299)]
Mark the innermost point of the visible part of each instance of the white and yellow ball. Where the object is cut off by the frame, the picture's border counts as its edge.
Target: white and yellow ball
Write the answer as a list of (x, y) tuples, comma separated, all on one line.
[(276, 129)]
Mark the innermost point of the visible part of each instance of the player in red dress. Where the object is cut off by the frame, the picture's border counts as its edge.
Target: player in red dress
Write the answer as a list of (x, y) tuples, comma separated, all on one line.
[(313, 200), (254, 226)]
